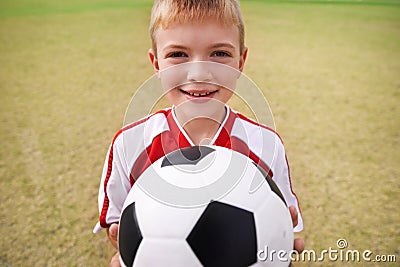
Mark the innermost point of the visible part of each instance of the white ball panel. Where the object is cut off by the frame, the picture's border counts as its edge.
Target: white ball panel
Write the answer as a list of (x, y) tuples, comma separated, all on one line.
[(163, 252), (242, 196), (274, 235), (156, 219)]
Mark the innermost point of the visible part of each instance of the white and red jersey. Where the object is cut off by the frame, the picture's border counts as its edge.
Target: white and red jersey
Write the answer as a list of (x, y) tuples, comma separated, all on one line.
[(136, 146)]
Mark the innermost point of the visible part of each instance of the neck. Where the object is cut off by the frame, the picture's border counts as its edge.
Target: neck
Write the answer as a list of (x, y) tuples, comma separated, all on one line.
[(201, 130)]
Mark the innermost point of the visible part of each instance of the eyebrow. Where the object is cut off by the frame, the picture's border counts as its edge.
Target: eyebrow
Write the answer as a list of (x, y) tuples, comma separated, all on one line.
[(175, 46), (182, 47), (219, 45)]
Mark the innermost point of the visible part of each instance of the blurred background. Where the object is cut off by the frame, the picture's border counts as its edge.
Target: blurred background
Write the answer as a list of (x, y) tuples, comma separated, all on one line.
[(330, 71)]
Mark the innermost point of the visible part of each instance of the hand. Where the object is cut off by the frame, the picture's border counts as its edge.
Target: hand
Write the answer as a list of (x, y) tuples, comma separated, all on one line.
[(112, 234), (115, 261), (298, 242)]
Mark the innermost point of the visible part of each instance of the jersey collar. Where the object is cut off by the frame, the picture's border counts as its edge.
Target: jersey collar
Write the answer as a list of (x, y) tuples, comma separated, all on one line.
[(222, 133)]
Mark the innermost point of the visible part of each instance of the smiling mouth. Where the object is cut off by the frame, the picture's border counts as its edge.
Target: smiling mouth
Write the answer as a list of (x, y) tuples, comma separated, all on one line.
[(198, 94)]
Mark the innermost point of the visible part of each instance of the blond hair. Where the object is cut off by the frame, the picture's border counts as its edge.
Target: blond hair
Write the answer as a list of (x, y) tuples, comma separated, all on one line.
[(165, 12)]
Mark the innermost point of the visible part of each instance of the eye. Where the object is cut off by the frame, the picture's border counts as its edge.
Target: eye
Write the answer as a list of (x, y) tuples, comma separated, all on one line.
[(177, 54), (220, 54)]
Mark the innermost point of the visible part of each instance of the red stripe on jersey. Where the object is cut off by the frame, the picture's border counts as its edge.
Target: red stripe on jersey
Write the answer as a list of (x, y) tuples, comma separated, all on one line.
[(175, 133), (224, 137), (106, 201), (241, 147), (161, 145)]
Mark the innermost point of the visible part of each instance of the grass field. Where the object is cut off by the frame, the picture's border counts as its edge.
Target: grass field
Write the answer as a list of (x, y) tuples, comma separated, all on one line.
[(330, 71)]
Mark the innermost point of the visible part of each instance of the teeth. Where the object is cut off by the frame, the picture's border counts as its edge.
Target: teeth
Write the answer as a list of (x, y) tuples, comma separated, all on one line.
[(197, 95)]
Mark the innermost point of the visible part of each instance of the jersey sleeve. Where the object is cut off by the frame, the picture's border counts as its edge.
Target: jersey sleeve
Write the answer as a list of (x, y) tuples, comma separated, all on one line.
[(114, 186), (281, 177)]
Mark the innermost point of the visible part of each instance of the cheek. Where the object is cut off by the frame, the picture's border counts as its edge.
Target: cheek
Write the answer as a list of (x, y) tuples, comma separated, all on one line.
[(171, 77), (174, 97), (162, 64), (226, 77), (226, 95)]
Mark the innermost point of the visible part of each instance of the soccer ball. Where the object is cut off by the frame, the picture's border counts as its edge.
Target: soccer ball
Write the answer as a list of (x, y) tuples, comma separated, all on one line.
[(204, 206)]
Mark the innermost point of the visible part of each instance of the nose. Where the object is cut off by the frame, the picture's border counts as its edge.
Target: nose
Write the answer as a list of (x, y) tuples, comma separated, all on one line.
[(199, 71)]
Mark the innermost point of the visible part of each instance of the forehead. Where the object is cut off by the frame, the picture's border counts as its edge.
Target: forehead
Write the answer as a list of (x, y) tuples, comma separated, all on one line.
[(198, 33)]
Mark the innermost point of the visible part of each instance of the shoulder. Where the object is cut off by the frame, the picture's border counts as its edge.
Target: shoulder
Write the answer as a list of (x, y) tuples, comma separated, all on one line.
[(261, 140), (148, 127), (251, 127)]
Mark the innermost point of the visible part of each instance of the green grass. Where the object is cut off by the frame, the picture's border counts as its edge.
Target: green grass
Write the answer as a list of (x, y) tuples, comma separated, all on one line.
[(68, 70)]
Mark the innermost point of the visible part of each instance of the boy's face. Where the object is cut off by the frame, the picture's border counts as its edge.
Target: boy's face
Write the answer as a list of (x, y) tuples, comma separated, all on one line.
[(208, 41)]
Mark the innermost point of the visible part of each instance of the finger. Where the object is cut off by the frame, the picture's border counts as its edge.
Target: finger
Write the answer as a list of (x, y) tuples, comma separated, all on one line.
[(294, 215), (298, 245), (112, 233), (115, 261)]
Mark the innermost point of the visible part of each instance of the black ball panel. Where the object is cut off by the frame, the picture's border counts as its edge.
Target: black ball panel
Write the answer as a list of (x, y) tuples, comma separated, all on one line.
[(271, 183), (129, 236), (189, 155), (224, 235)]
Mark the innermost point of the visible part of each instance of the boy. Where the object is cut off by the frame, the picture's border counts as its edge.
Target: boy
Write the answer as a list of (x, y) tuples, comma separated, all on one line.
[(200, 33)]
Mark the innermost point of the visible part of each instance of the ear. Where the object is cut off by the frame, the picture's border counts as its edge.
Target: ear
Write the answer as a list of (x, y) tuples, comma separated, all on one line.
[(154, 60), (243, 58)]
